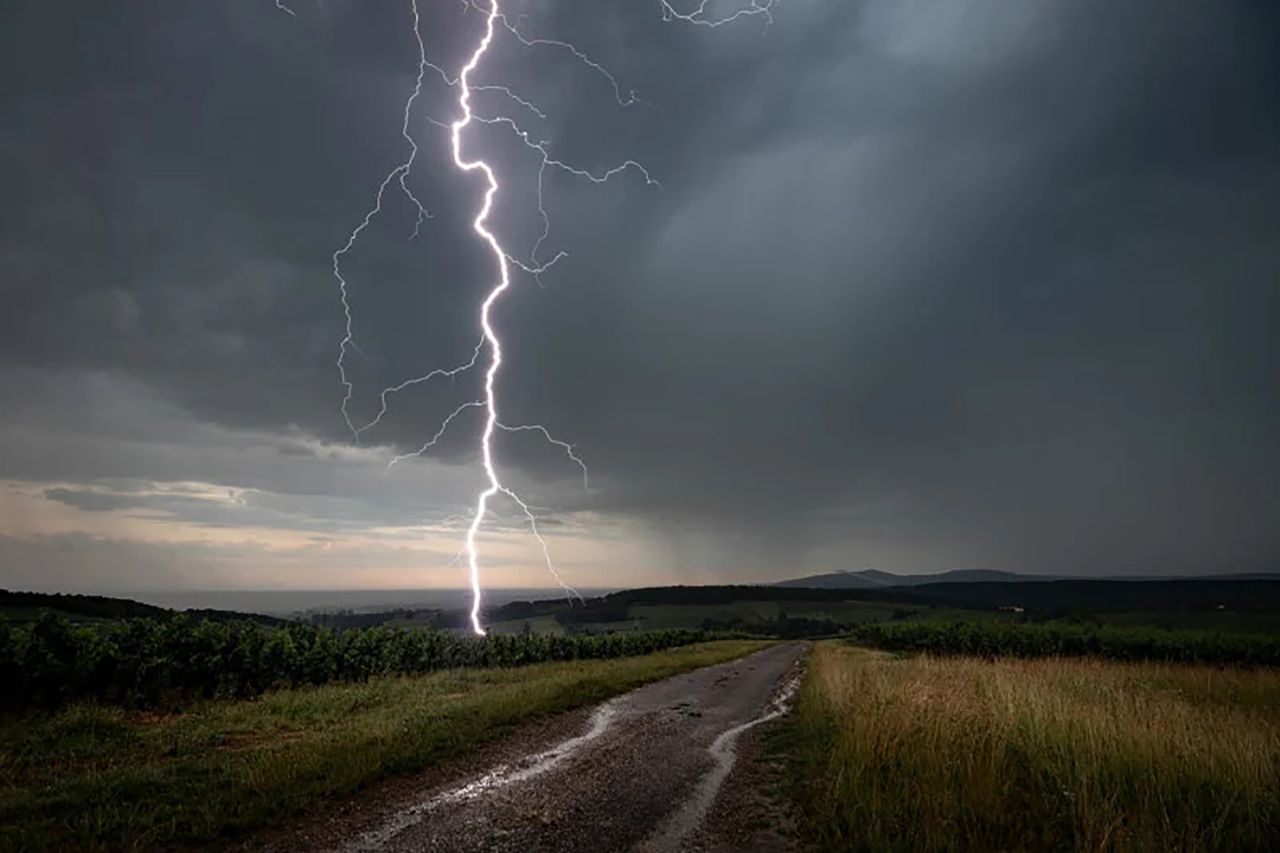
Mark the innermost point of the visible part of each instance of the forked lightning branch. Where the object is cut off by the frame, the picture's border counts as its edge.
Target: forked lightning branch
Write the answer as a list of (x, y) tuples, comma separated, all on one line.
[(488, 356)]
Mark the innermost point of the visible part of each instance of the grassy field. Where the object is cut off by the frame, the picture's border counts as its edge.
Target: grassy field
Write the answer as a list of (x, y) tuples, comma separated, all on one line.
[(103, 778), (752, 613), (536, 624), (919, 753)]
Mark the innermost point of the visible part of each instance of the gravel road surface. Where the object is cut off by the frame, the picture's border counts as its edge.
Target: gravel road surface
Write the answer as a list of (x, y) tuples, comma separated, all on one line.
[(643, 772)]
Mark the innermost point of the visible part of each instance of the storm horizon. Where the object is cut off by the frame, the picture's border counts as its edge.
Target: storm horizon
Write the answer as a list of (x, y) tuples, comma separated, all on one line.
[(918, 289)]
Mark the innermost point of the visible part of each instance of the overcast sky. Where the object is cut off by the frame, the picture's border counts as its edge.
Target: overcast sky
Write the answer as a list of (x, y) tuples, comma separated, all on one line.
[(926, 284)]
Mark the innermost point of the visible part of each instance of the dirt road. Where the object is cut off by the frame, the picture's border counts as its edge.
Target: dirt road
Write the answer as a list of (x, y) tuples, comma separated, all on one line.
[(641, 774)]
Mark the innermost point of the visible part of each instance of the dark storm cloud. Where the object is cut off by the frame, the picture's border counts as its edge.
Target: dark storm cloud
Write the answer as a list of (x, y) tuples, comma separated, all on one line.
[(1006, 279), (927, 283)]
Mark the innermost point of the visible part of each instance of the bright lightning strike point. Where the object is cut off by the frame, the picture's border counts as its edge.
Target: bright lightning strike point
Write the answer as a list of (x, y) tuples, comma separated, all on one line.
[(490, 336)]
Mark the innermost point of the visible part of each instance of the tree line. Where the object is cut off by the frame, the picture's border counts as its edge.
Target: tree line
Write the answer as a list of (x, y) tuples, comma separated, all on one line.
[(992, 638), (145, 662)]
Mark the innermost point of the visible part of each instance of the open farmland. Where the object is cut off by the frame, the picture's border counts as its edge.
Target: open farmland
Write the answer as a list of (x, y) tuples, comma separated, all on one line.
[(892, 752)]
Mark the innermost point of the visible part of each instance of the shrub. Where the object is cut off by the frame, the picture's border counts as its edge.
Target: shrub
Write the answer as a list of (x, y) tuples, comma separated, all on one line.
[(146, 662), (1049, 639)]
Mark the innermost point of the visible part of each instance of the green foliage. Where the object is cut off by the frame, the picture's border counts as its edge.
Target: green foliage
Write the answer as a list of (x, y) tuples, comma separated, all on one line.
[(96, 777), (150, 662), (992, 638)]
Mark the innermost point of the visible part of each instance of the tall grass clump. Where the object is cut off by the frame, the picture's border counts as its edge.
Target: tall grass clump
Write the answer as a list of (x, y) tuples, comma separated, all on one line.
[(927, 753)]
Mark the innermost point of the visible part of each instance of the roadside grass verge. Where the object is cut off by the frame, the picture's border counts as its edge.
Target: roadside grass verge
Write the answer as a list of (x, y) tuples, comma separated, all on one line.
[(95, 777), (890, 752)]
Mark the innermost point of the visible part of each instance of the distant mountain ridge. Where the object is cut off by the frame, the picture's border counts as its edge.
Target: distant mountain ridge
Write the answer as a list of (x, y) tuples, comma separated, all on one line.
[(27, 606), (876, 579)]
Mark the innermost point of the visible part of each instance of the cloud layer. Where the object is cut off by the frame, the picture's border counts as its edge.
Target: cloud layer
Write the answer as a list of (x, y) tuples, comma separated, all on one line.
[(926, 284)]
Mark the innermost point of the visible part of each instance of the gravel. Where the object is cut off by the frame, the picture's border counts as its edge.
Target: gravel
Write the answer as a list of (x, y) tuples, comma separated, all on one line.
[(636, 773)]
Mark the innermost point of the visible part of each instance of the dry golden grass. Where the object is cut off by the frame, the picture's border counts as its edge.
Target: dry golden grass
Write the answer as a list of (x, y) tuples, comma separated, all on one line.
[(926, 753)]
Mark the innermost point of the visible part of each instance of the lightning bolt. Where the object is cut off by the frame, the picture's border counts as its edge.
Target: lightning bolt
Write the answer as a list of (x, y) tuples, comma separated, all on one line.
[(488, 350), (399, 174), (700, 16), (486, 308)]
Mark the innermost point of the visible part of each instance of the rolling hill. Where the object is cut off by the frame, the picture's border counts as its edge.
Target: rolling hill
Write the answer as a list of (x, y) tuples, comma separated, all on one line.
[(876, 579)]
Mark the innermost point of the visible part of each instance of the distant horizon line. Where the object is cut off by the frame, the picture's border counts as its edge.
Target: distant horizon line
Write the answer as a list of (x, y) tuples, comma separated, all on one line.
[(555, 589)]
